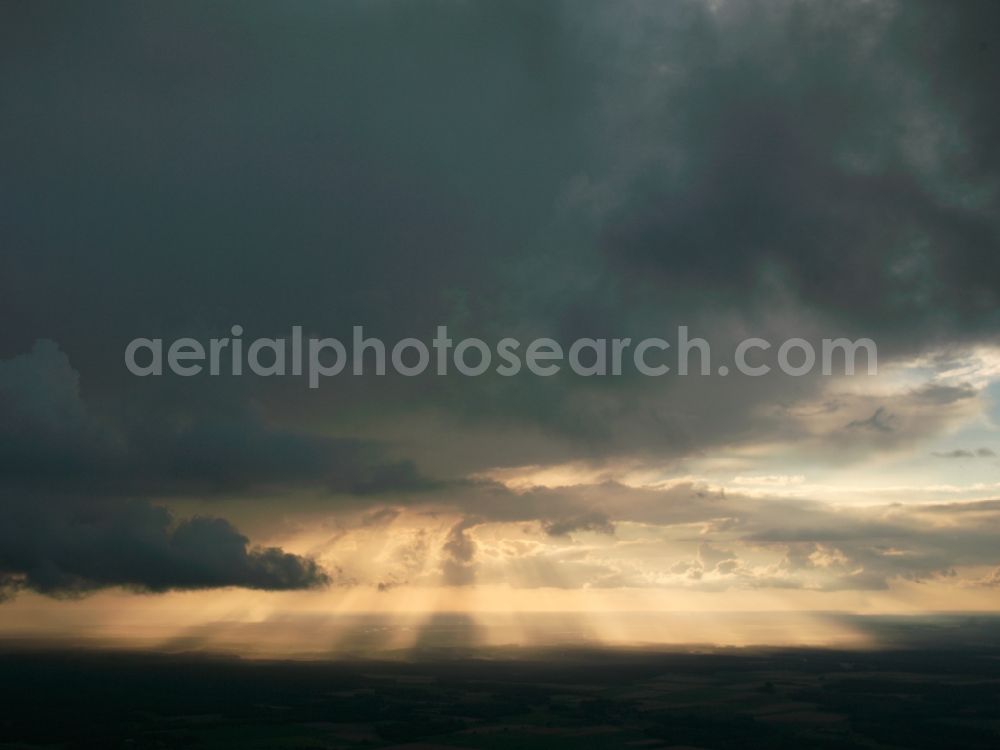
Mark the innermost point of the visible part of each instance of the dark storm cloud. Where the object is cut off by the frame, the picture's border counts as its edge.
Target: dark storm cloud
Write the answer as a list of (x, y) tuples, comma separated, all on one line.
[(515, 169), (65, 474), (49, 437), (71, 541), (803, 151), (526, 168), (62, 548)]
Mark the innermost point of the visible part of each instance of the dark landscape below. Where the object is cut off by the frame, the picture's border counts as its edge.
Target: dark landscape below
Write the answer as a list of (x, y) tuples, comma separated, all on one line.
[(939, 687)]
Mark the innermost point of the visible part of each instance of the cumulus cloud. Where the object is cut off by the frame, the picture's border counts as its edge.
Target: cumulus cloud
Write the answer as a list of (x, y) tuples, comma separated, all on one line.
[(65, 525), (61, 548), (682, 537), (458, 566), (990, 581), (764, 541)]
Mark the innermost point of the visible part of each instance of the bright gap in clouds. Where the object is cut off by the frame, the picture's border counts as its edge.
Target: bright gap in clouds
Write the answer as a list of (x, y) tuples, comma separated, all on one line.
[(407, 623)]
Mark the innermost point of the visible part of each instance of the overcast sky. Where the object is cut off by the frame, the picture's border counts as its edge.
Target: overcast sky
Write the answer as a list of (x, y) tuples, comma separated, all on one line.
[(559, 169)]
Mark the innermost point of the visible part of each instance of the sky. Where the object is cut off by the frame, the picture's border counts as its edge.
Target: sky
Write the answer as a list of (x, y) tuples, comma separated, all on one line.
[(769, 169)]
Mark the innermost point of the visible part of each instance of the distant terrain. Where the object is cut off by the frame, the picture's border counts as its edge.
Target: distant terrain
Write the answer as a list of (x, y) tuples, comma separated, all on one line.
[(920, 695)]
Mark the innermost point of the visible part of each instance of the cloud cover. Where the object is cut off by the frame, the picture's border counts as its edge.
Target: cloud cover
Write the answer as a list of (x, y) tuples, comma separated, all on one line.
[(558, 168)]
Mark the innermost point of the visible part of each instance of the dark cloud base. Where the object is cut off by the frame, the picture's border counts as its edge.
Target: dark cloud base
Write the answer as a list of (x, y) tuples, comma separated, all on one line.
[(64, 549)]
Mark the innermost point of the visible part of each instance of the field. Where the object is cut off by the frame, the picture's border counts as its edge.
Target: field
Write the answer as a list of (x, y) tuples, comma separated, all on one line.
[(917, 696)]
